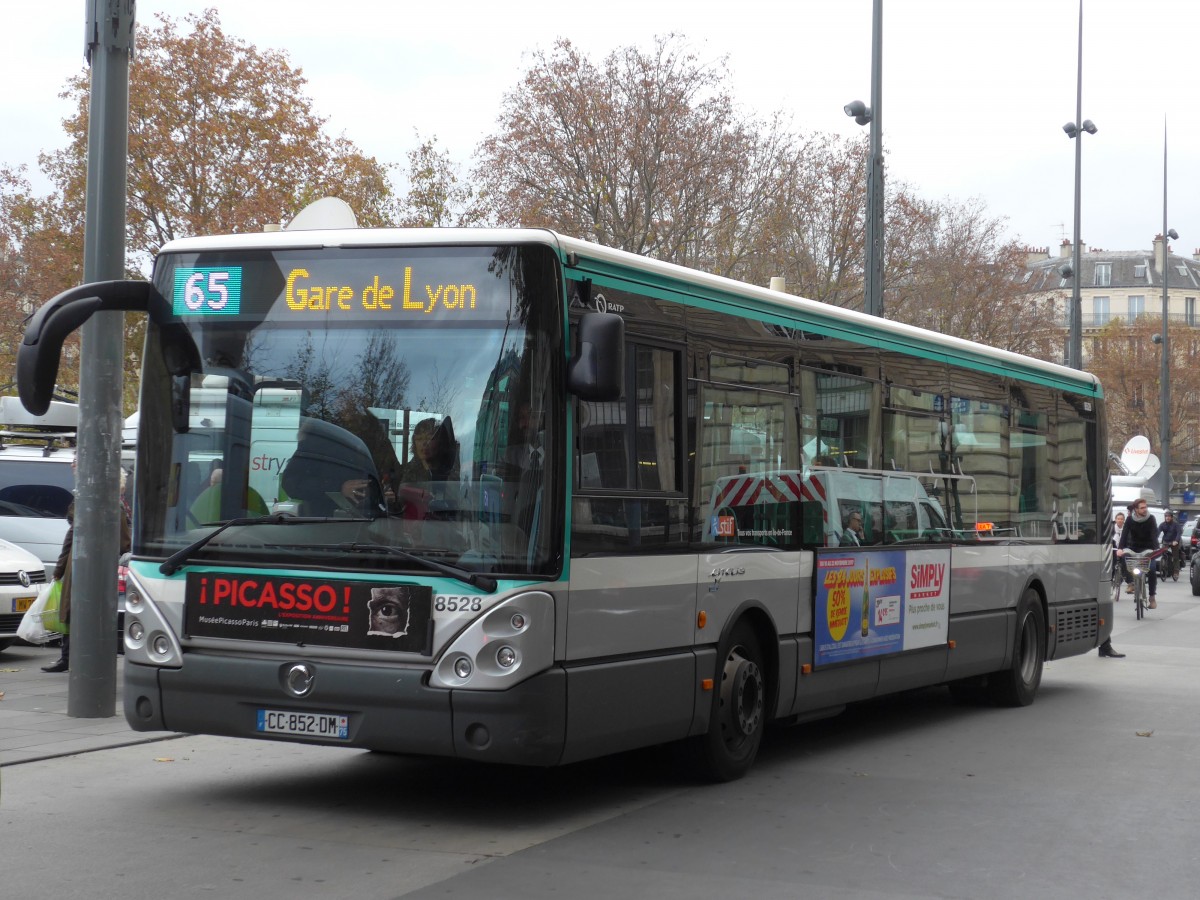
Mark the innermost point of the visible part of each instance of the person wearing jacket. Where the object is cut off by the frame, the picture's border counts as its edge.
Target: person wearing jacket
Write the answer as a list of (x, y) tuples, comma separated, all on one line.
[(1140, 535), (62, 572)]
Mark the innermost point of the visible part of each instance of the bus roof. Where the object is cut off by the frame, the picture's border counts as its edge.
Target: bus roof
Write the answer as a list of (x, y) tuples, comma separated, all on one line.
[(610, 267)]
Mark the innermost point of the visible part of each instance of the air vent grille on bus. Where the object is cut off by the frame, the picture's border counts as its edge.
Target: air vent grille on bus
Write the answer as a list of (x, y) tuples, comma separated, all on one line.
[(1075, 625)]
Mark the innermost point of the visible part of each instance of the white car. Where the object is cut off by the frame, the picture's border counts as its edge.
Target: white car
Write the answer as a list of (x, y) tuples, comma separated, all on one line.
[(21, 574)]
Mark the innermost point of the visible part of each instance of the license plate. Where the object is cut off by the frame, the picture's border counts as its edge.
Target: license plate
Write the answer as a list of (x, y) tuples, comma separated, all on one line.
[(20, 604), (283, 721)]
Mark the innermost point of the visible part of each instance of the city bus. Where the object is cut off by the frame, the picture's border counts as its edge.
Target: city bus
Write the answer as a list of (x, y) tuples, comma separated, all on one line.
[(514, 497)]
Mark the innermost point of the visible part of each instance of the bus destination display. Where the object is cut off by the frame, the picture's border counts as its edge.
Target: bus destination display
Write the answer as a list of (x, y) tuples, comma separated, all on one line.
[(213, 291)]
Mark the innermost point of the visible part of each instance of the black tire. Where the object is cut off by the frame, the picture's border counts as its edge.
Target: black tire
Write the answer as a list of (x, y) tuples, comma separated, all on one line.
[(1194, 577), (1018, 684), (739, 713)]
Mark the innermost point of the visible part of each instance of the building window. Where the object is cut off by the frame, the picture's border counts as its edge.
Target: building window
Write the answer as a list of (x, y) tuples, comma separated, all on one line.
[(1103, 274), (1139, 271), (1137, 306), (1189, 310), (1100, 311)]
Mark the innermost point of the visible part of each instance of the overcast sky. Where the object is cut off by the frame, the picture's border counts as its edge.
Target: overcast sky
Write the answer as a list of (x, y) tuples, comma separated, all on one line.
[(975, 94)]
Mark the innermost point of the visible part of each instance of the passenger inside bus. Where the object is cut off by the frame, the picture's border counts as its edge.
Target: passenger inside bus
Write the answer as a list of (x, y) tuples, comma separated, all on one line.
[(206, 508), (434, 452), (852, 534), (525, 445)]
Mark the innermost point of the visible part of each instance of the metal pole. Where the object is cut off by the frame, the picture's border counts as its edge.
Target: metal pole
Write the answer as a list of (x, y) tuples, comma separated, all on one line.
[(1075, 357), (873, 297), (1164, 384), (95, 549)]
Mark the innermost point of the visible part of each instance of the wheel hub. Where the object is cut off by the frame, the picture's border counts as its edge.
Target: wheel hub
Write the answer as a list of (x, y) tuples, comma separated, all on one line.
[(742, 694)]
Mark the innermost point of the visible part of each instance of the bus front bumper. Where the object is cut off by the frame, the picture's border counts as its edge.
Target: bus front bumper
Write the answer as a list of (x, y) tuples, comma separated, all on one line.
[(388, 709)]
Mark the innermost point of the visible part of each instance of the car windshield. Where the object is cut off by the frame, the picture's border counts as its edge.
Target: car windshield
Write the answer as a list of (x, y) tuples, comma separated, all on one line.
[(41, 489), (431, 430)]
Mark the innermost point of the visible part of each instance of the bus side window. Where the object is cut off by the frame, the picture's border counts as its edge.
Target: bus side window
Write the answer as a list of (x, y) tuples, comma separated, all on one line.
[(812, 517)]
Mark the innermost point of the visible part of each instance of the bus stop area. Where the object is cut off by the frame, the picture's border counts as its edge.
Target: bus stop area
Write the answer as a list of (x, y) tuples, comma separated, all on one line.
[(34, 724)]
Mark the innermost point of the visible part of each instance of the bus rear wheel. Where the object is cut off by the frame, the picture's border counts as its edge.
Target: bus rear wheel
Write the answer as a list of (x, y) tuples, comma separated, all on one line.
[(738, 717), (1018, 684)]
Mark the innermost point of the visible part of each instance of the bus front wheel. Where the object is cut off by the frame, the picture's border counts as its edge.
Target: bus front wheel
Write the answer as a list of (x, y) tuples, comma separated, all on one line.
[(1018, 684), (738, 718)]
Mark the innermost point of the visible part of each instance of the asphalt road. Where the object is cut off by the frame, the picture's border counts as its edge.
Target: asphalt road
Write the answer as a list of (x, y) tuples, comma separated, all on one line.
[(1090, 792)]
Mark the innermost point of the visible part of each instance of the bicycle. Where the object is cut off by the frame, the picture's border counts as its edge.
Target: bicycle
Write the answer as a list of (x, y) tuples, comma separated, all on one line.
[(1138, 565)]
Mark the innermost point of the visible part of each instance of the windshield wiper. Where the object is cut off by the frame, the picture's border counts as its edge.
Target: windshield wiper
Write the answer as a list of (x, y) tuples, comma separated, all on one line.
[(475, 579), (176, 561)]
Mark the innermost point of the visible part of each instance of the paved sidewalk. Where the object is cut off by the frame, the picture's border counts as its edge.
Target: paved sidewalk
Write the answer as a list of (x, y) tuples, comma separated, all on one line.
[(33, 712)]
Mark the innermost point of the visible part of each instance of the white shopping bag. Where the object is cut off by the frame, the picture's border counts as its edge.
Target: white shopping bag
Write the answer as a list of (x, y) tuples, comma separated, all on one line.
[(31, 628)]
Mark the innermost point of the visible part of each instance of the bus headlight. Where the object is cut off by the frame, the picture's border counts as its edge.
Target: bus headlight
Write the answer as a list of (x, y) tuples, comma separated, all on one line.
[(149, 638), (509, 643)]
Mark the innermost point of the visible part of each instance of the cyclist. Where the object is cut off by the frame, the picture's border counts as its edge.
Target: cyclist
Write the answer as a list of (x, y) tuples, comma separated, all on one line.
[(1140, 535), (1169, 533)]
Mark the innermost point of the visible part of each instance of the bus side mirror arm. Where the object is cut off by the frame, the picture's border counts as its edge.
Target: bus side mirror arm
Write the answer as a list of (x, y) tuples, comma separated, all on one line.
[(41, 348), (597, 372)]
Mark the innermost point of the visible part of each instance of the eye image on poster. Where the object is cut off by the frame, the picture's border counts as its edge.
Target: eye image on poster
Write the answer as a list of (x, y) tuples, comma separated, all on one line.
[(390, 612), (301, 611), (877, 602)]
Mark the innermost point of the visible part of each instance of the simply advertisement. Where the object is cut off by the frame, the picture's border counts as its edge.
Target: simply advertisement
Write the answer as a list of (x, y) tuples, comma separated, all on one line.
[(875, 602)]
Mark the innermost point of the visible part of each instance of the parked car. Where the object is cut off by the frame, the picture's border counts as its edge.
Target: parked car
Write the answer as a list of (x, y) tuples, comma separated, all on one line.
[(21, 574), (36, 477), (1189, 537)]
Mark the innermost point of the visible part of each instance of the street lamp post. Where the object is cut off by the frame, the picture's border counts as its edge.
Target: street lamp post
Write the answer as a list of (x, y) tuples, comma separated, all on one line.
[(1164, 378), (1075, 131), (873, 116)]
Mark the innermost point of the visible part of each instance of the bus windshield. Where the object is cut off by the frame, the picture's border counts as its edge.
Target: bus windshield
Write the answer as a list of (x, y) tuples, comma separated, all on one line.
[(402, 397)]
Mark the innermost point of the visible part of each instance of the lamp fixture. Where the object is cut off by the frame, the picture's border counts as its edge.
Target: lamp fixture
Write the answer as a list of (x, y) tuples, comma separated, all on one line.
[(858, 111)]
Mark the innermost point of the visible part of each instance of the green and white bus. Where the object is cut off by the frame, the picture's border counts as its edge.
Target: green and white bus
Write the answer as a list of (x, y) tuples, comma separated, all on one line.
[(504, 495)]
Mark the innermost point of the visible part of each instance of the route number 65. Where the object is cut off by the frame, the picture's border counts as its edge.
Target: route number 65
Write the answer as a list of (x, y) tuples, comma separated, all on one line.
[(207, 291), (217, 296)]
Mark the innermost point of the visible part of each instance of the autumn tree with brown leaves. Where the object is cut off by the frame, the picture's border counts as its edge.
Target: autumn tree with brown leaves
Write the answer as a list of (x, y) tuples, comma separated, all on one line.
[(646, 152), (437, 196), (41, 254), (959, 276), (222, 138), (1129, 365)]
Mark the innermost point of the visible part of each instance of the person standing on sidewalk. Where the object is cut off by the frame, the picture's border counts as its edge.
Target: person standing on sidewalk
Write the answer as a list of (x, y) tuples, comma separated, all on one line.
[(1118, 565), (1118, 574), (62, 572)]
